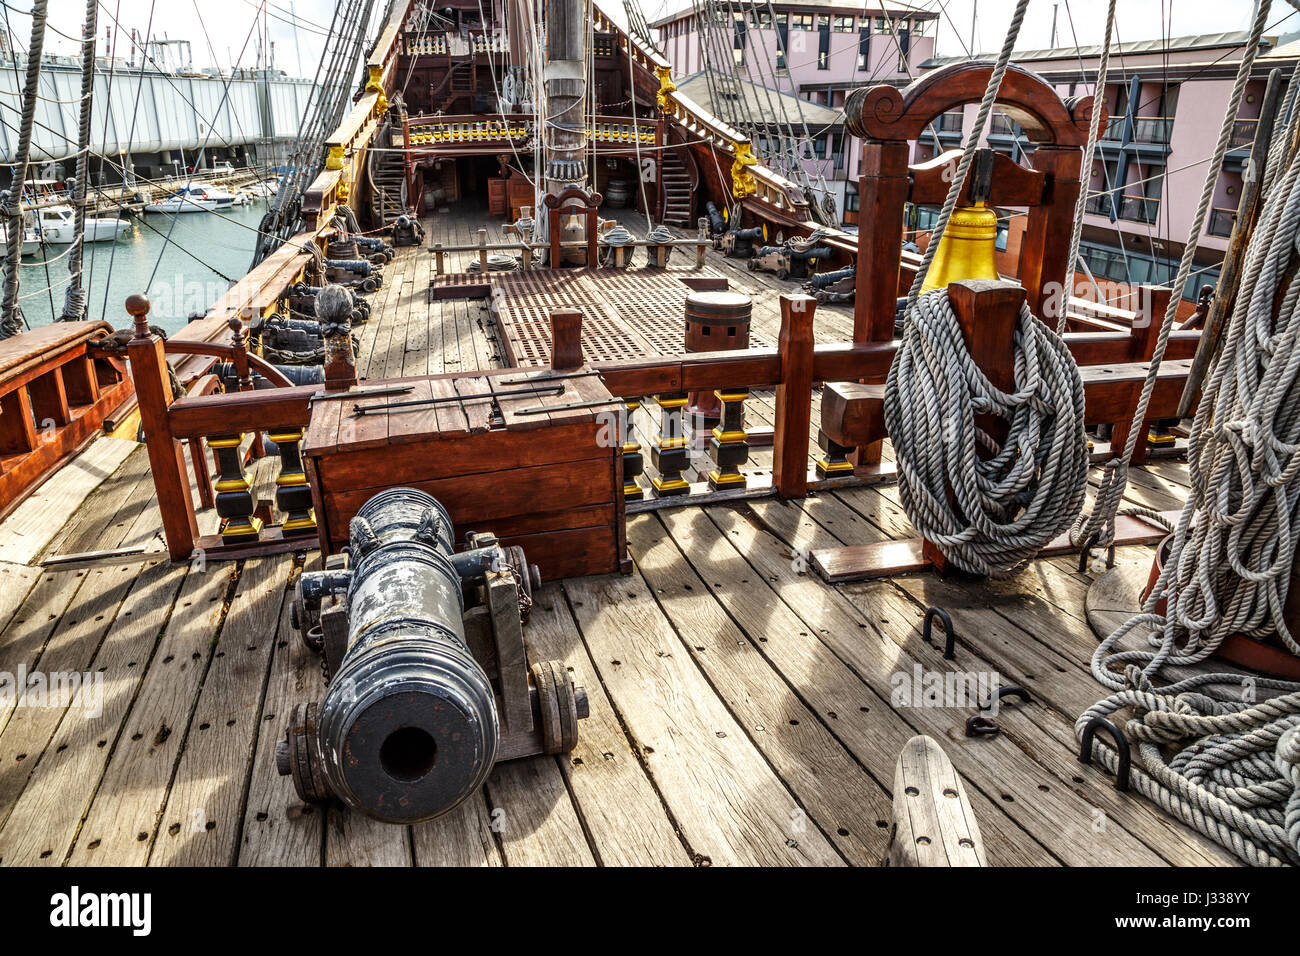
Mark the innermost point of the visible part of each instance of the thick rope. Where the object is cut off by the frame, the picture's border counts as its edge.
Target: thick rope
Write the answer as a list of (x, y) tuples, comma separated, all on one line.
[(1101, 520), (1208, 751), (74, 297), (1094, 129), (1006, 508), (12, 202)]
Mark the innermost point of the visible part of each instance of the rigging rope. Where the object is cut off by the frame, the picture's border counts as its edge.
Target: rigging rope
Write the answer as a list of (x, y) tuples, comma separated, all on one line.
[(74, 297), (968, 151), (1094, 128), (1101, 521), (12, 202), (1209, 751)]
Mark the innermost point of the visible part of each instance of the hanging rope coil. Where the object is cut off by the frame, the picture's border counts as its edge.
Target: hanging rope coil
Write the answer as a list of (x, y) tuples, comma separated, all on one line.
[(1006, 508)]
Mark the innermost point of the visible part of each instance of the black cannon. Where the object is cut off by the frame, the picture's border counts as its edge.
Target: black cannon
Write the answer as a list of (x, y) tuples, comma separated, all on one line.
[(793, 260), (739, 243), (407, 231), (411, 723), (837, 286), (717, 221)]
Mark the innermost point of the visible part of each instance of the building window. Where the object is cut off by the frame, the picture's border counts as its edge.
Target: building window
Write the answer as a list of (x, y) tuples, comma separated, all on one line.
[(843, 24), (864, 49), (801, 21), (819, 147), (824, 46), (782, 41), (850, 198), (763, 20)]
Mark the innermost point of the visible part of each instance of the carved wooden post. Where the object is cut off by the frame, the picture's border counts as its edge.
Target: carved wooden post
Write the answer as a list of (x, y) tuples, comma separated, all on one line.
[(729, 447), (566, 340), (166, 459), (794, 397), (239, 355), (633, 460), (670, 453), (292, 492)]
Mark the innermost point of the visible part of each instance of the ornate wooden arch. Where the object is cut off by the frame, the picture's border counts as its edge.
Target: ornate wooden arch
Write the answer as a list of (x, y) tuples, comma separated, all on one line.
[(570, 198), (888, 118)]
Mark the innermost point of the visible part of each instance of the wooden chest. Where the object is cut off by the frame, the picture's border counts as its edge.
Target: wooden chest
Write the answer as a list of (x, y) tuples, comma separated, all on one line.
[(550, 482)]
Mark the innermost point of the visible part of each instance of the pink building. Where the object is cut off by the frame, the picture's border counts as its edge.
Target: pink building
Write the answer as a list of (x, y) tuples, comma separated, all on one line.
[(812, 50), (1166, 102)]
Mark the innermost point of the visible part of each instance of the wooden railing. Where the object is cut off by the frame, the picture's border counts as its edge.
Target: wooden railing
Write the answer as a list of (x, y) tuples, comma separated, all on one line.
[(468, 129), (234, 423), (55, 395)]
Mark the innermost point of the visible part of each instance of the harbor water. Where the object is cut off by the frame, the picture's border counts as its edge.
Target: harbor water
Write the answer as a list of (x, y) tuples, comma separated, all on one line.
[(206, 252)]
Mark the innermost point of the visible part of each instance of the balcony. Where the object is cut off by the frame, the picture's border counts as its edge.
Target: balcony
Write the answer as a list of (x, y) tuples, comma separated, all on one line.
[(1221, 222), (1152, 129), (1139, 209), (951, 122), (1098, 205), (1243, 133)]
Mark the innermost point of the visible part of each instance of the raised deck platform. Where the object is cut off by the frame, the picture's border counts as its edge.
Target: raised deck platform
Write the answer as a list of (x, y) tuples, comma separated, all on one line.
[(742, 711)]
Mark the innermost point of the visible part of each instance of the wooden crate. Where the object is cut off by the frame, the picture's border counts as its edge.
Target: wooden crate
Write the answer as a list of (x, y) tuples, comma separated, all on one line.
[(552, 483)]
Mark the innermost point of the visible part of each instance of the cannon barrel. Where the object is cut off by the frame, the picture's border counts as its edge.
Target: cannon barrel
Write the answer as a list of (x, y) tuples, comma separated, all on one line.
[(754, 232), (830, 278), (408, 726), (812, 252), (717, 222)]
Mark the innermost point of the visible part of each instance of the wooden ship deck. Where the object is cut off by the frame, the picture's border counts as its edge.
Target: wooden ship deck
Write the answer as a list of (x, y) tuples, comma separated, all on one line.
[(740, 708)]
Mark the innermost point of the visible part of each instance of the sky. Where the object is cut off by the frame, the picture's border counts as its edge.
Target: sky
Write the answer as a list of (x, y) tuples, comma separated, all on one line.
[(218, 30), (297, 48)]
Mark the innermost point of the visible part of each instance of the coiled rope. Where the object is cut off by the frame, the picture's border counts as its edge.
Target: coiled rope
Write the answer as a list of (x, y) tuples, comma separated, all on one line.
[(1209, 751), (1006, 508), (1003, 509)]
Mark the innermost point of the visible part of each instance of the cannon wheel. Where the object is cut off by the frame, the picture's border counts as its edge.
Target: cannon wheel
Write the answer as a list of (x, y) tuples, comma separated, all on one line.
[(783, 273), (558, 704), (752, 264)]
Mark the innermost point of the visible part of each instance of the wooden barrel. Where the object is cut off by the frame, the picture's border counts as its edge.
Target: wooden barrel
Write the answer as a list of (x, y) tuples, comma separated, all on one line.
[(715, 322), (617, 193)]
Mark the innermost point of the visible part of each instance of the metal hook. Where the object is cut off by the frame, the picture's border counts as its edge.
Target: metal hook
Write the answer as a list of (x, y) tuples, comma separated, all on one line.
[(977, 726), (1086, 553), (1010, 690), (950, 644), (1121, 746)]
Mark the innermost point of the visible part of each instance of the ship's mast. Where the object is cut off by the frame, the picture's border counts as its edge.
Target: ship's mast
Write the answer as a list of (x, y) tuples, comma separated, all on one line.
[(566, 84)]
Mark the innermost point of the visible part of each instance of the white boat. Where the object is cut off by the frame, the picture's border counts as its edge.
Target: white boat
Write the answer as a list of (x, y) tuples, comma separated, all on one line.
[(31, 241), (221, 197), (182, 201), (263, 190), (58, 227)]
